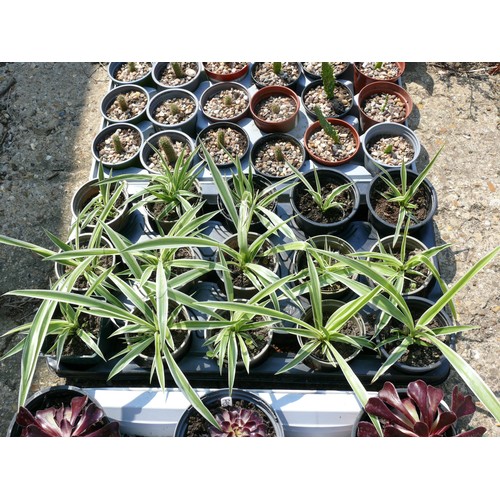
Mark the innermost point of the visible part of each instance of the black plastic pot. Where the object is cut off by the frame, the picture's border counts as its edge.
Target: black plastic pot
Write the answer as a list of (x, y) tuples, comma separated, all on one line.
[(190, 85), (187, 126), (213, 90), (329, 306), (110, 97), (52, 396), (324, 242), (418, 305), (215, 399), (152, 142), (341, 112), (105, 134), (84, 195), (271, 138), (411, 245), (88, 360), (260, 85), (376, 184), (223, 125), (259, 182), (89, 190), (113, 67), (246, 292), (325, 175)]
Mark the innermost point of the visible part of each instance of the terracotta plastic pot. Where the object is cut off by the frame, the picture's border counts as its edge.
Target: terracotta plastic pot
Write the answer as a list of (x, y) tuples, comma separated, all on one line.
[(315, 126), (382, 87), (222, 77), (325, 175), (361, 80), (268, 126), (190, 85)]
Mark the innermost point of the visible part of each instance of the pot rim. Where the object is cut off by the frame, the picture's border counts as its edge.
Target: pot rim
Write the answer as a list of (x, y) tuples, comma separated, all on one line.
[(218, 87), (334, 121), (160, 97), (157, 66), (107, 100), (260, 85), (317, 83)]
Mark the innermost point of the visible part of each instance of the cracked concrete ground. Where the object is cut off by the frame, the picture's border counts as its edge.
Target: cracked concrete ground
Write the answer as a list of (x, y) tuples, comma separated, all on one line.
[(49, 114)]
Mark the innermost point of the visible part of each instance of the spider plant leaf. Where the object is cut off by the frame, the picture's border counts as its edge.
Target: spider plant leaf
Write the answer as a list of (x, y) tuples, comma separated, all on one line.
[(394, 356), (429, 315), (304, 352), (232, 356), (469, 376), (130, 354)]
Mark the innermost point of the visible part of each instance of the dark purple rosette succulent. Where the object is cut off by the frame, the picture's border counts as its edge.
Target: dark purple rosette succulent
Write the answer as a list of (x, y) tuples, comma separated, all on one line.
[(239, 422), (79, 419), (420, 414)]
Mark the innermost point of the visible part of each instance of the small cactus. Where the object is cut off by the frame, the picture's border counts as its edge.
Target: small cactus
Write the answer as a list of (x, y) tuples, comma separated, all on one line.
[(131, 67), (117, 143), (388, 149), (328, 128), (278, 154), (179, 73), (221, 139), (275, 108), (174, 109), (122, 102), (277, 68), (385, 103), (167, 147), (328, 78), (228, 100), (239, 422), (378, 65)]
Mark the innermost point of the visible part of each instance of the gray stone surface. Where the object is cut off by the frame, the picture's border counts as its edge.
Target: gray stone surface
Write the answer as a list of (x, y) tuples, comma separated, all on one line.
[(49, 116)]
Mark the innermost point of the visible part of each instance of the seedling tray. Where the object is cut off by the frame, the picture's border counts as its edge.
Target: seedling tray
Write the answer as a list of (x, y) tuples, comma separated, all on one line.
[(202, 371)]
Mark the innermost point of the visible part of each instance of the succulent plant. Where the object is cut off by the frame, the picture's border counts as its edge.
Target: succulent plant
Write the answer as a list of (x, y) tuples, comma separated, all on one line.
[(278, 154), (174, 108), (328, 78), (221, 139), (179, 73), (327, 127), (167, 147), (117, 143), (277, 67), (275, 108), (238, 422), (79, 419), (122, 102), (228, 100), (419, 414), (132, 67)]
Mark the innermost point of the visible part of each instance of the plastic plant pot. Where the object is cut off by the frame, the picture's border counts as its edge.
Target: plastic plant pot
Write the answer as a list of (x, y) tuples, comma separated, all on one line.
[(142, 79), (292, 84), (112, 95), (325, 175), (383, 87), (211, 93), (105, 135), (387, 130), (362, 80), (347, 107), (186, 124), (285, 125), (316, 127), (191, 84), (231, 75), (341, 70)]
